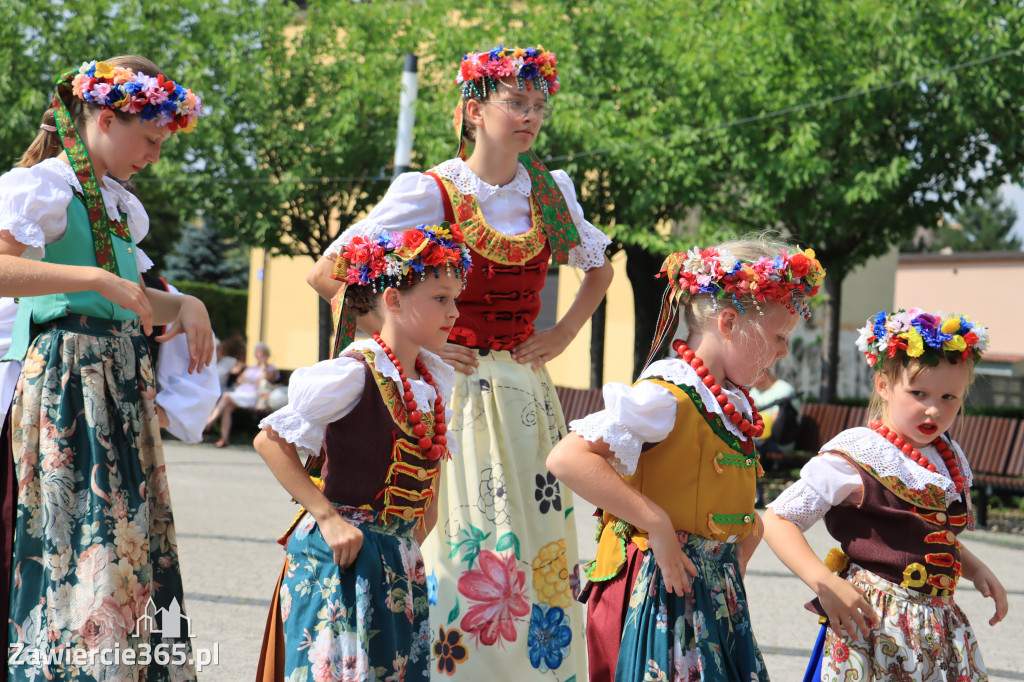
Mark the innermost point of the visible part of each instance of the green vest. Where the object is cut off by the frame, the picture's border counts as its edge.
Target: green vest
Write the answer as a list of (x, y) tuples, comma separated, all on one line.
[(74, 248)]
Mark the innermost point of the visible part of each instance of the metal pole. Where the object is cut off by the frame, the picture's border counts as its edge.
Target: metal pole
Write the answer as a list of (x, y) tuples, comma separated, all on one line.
[(406, 116)]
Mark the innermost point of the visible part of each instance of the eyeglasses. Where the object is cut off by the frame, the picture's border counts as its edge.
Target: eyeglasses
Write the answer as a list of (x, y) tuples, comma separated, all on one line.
[(517, 108)]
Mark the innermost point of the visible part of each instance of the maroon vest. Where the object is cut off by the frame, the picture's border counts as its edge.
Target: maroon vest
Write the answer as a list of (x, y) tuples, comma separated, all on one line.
[(912, 545), (371, 461)]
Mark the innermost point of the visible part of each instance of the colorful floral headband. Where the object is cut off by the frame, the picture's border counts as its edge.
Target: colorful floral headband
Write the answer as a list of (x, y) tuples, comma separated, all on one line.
[(120, 88), (916, 334), (718, 272), (482, 70), (398, 255)]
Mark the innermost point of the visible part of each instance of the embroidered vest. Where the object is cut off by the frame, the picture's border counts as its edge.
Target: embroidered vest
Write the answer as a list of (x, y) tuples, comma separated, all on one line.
[(76, 247), (906, 536), (701, 475), (373, 460)]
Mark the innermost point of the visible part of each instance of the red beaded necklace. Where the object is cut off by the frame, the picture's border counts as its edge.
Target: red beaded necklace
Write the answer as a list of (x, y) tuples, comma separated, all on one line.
[(746, 428), (432, 449), (948, 456)]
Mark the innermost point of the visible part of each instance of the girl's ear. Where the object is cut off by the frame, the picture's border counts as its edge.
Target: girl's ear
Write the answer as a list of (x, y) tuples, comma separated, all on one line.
[(105, 119), (882, 386), (392, 300), (474, 112), (726, 322)]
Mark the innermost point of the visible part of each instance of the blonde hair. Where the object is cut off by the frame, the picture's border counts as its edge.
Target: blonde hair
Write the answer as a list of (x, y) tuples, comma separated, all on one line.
[(47, 143), (894, 371)]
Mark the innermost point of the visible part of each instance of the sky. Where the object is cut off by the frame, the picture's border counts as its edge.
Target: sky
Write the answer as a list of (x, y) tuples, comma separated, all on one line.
[(1015, 194)]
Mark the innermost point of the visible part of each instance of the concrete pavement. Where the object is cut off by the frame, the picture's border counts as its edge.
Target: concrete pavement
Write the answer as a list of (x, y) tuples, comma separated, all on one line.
[(229, 511)]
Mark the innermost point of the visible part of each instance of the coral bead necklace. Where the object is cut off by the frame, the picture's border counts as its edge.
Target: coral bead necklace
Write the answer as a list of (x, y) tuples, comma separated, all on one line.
[(748, 429), (948, 456), (432, 448)]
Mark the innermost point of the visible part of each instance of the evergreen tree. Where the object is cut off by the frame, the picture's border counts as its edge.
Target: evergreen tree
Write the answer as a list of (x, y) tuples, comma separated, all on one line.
[(985, 224), (203, 254)]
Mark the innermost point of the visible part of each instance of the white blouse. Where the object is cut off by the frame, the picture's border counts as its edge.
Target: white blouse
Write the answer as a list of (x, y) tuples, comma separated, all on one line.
[(324, 393), (415, 199), (34, 207), (646, 412), (828, 480)]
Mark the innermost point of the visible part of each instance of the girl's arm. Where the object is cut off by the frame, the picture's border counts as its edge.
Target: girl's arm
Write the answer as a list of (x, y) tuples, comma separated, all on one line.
[(546, 345), (283, 460), (745, 548), (584, 467), (430, 519), (986, 582), (187, 315), (843, 602), (319, 277), (24, 277)]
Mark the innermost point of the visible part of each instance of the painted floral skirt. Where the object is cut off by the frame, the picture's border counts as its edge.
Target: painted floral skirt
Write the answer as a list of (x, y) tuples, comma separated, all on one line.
[(704, 635), (921, 638), (364, 622), (502, 560), (95, 561)]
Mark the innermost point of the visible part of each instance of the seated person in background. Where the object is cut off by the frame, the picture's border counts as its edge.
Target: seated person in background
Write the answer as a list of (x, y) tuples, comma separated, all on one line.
[(230, 360), (246, 393), (779, 405)]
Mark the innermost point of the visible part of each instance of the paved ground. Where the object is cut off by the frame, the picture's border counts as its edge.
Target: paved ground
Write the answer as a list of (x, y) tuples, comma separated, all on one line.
[(230, 510)]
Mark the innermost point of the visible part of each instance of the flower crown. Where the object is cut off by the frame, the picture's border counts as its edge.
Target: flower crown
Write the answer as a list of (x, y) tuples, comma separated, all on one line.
[(120, 88), (916, 334), (718, 272), (480, 70), (398, 255)]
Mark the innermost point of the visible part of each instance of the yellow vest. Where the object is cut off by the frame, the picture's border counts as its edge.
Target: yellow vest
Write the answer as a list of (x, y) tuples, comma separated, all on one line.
[(701, 475)]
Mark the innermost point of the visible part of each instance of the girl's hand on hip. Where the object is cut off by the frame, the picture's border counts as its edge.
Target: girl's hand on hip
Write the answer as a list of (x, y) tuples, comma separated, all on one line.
[(461, 358), (127, 294), (341, 536), (677, 570), (194, 322), (542, 347), (847, 609)]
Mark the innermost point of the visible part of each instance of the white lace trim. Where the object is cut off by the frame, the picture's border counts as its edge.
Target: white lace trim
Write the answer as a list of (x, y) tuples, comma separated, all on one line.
[(678, 372), (24, 231), (294, 428), (867, 447), (801, 504), (443, 374), (624, 445), (589, 253), (467, 182), (115, 198)]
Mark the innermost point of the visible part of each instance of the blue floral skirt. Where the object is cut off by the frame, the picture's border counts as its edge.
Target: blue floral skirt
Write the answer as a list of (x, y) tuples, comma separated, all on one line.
[(365, 622), (705, 635), (95, 562)]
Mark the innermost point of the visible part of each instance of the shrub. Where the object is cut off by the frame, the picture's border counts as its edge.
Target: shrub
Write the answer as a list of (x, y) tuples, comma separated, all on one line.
[(227, 307)]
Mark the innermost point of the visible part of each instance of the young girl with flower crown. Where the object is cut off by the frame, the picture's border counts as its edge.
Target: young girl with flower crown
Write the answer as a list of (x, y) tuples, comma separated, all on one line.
[(352, 601), (896, 495), (94, 557), (505, 552), (671, 463)]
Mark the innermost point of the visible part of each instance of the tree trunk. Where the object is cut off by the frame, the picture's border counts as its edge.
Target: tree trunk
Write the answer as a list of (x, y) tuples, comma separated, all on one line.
[(326, 328), (830, 340), (597, 331), (641, 268)]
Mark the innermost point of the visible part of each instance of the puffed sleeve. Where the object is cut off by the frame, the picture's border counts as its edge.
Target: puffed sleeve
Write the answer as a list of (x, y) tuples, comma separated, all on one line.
[(317, 396), (825, 481), (187, 399), (413, 199), (633, 415), (34, 207), (593, 242)]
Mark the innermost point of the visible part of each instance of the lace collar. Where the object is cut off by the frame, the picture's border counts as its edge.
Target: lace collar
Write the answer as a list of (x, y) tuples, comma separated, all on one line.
[(679, 372), (871, 449), (467, 182), (444, 375), (115, 197)]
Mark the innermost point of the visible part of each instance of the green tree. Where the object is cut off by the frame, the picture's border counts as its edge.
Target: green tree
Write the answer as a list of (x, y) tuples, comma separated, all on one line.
[(984, 224), (204, 254)]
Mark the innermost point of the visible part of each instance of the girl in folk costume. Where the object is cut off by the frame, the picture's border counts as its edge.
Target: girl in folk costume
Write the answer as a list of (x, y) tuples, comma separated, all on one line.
[(895, 494), (671, 463), (94, 556), (504, 552), (352, 601)]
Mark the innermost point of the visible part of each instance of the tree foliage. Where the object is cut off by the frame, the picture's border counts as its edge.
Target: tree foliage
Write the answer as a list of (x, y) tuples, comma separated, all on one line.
[(984, 224)]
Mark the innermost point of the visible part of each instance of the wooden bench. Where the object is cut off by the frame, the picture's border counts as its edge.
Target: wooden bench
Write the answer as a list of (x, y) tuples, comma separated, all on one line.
[(579, 402)]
